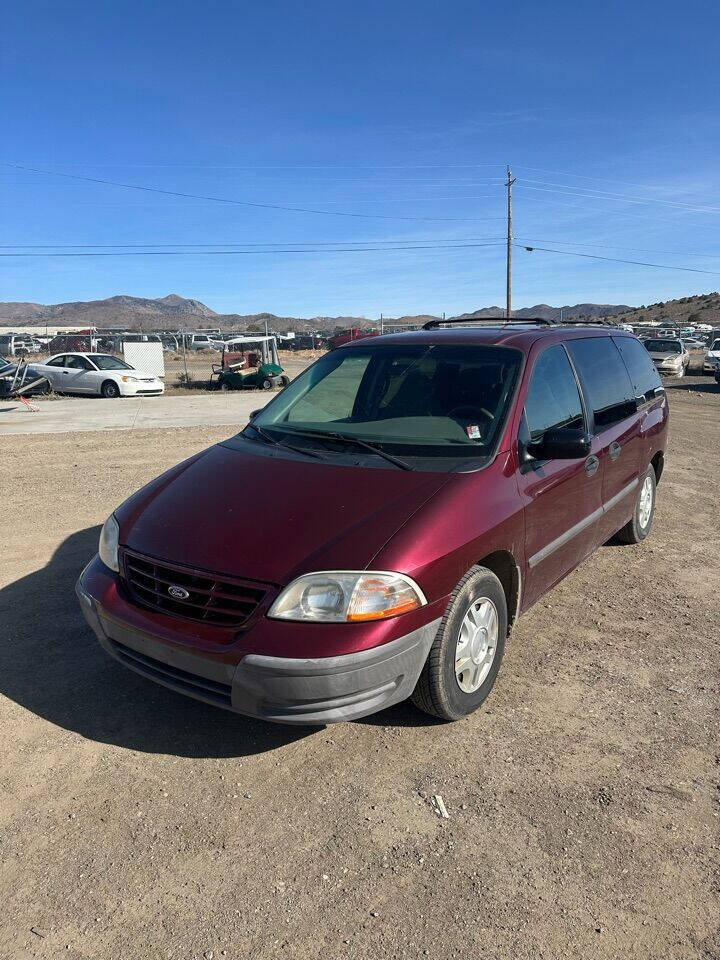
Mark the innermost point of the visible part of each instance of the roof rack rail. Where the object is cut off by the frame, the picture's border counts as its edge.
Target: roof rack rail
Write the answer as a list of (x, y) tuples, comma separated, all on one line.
[(492, 321), (589, 322)]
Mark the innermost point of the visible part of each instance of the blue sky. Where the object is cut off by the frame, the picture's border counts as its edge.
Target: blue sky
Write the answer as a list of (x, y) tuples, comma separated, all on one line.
[(404, 113)]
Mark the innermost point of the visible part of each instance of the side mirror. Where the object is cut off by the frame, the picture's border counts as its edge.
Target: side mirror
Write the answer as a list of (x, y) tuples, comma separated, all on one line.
[(563, 443), (254, 413)]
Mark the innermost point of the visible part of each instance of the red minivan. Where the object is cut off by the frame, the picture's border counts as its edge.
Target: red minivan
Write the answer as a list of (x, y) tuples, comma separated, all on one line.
[(377, 528)]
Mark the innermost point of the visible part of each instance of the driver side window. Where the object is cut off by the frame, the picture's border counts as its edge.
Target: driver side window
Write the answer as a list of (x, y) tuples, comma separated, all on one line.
[(56, 362), (553, 397)]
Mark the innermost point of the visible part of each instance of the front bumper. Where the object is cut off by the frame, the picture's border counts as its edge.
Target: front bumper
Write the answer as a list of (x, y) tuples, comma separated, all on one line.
[(281, 689), (142, 389)]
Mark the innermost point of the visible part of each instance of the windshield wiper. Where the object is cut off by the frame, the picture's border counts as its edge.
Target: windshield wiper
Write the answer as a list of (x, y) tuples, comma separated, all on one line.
[(347, 438), (281, 443)]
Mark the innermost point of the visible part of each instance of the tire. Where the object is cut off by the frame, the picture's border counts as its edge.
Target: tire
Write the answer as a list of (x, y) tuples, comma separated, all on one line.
[(266, 384), (110, 390), (638, 528), (284, 381), (225, 386), (438, 690)]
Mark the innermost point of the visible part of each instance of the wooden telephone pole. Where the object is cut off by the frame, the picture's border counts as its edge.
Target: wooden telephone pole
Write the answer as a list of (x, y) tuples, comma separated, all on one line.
[(508, 302)]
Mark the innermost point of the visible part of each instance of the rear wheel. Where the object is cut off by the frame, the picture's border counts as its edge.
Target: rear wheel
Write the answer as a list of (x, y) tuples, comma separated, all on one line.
[(110, 390), (266, 384), (638, 527), (465, 657)]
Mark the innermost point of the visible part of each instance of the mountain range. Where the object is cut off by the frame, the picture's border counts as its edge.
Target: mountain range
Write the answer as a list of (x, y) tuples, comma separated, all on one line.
[(176, 312)]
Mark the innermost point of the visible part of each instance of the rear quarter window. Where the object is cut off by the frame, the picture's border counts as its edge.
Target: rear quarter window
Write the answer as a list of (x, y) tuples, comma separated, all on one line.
[(643, 372), (606, 381)]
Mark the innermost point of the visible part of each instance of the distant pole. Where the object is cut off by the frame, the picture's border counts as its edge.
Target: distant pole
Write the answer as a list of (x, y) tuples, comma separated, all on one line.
[(184, 355), (266, 328), (382, 324), (508, 303)]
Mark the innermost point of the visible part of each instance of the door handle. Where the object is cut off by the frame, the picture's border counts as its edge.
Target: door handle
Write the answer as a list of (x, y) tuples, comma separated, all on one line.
[(591, 465), (615, 449)]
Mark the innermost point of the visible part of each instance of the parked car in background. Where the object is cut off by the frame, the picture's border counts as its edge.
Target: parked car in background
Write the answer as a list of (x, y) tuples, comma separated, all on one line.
[(403, 501), (669, 355), (712, 357), (99, 374), (198, 341), (17, 345)]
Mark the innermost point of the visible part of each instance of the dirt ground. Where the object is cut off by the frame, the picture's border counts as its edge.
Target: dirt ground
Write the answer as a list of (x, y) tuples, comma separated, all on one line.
[(583, 798)]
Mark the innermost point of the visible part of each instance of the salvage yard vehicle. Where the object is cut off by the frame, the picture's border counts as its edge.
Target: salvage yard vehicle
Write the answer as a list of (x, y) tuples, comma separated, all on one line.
[(711, 362), (411, 495), (100, 374), (268, 372), (21, 380), (669, 355), (267, 376)]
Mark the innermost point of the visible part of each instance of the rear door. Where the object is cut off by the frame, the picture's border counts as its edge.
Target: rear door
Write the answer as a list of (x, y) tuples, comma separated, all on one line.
[(617, 439), (561, 498), (53, 370)]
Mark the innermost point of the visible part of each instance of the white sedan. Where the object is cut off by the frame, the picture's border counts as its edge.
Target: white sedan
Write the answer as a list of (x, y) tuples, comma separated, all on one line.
[(100, 374)]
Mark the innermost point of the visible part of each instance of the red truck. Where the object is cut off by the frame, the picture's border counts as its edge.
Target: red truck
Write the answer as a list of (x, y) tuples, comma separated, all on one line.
[(352, 333)]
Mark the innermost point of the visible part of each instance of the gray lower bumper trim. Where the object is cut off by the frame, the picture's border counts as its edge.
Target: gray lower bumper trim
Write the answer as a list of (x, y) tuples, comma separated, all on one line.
[(330, 689)]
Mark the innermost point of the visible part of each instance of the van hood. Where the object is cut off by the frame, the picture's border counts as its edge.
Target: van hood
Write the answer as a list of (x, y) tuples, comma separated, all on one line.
[(253, 512)]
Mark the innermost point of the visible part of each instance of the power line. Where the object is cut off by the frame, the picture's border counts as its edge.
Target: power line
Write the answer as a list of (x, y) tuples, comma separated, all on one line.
[(613, 246), (636, 263), (229, 253), (242, 203), (580, 206), (237, 243), (579, 176), (595, 194), (334, 243)]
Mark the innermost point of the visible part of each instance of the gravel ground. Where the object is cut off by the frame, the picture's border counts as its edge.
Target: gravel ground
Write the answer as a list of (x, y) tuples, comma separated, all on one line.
[(582, 799)]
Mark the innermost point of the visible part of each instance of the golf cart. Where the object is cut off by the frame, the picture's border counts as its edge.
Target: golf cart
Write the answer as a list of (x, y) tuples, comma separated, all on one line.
[(262, 360)]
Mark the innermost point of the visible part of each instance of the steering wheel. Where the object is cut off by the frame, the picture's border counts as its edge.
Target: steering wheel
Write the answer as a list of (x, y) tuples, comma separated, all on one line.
[(468, 411)]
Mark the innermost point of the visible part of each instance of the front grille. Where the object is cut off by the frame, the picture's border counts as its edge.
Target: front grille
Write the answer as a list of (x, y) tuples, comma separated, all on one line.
[(211, 599), (180, 679)]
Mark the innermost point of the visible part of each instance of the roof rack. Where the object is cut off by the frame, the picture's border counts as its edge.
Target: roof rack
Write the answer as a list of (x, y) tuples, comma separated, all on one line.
[(491, 321)]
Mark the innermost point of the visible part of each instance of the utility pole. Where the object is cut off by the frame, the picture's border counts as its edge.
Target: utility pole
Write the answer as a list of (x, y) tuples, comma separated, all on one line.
[(508, 302), (382, 324)]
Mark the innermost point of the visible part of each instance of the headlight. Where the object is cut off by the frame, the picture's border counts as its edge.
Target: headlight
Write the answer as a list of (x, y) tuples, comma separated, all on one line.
[(346, 596), (108, 547), (129, 379)]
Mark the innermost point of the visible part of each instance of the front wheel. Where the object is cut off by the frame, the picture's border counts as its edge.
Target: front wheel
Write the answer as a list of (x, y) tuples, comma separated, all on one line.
[(465, 657), (266, 384), (638, 527), (110, 390)]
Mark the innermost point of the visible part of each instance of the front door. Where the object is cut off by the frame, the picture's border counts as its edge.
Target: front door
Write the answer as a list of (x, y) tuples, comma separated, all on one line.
[(562, 499)]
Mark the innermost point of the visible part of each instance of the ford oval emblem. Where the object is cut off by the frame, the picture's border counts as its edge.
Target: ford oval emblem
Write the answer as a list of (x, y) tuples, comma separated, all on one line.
[(178, 593)]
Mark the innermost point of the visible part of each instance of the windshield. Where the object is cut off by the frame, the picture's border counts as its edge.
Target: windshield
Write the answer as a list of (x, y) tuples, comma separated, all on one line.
[(414, 400), (103, 361), (664, 346)]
